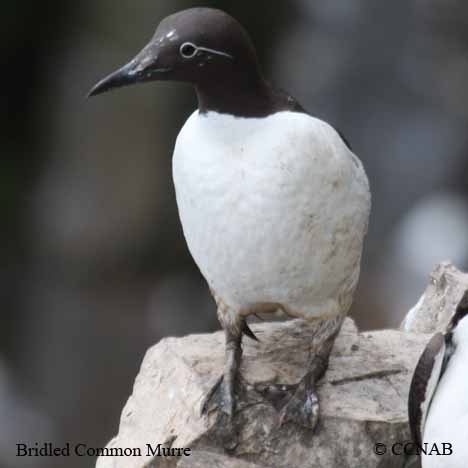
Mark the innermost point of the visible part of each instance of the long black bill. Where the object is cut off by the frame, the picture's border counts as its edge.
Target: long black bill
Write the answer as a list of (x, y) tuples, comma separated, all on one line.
[(125, 76), (144, 67)]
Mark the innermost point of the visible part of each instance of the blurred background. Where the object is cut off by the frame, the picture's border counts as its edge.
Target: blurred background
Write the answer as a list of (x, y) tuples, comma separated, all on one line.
[(94, 268)]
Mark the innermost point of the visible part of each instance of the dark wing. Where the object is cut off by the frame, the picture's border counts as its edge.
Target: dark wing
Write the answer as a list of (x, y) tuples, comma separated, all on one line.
[(346, 142), (287, 102), (425, 379)]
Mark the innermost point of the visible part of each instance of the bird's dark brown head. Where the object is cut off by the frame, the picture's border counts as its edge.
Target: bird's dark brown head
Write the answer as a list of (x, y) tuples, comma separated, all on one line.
[(202, 46)]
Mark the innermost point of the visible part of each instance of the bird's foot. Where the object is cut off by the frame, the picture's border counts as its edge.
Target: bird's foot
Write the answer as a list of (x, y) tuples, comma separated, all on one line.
[(220, 397), (302, 407), (223, 399), (296, 403)]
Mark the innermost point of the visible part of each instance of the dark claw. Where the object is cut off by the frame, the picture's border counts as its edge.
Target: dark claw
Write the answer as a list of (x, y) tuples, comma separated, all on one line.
[(302, 408), (209, 396), (223, 399), (228, 434)]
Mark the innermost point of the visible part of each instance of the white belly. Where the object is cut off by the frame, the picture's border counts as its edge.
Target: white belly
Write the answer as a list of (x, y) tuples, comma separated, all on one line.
[(274, 210), (447, 420)]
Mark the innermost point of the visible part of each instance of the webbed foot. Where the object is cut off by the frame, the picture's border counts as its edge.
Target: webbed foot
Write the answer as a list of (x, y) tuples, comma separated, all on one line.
[(303, 407), (222, 398)]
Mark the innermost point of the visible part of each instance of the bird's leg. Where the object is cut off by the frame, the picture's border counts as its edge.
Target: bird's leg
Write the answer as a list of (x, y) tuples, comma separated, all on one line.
[(227, 389), (303, 406), (226, 393), (223, 394)]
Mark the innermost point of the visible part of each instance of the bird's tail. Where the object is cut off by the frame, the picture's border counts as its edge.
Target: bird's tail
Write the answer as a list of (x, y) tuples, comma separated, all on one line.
[(246, 330)]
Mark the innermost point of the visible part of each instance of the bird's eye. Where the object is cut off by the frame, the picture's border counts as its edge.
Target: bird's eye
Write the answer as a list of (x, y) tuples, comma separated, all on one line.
[(188, 50)]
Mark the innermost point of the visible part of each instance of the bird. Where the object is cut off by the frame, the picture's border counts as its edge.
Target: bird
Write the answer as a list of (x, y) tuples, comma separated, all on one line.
[(438, 396), (273, 203)]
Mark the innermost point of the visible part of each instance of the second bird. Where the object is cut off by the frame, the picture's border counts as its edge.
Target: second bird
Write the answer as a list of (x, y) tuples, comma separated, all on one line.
[(273, 203)]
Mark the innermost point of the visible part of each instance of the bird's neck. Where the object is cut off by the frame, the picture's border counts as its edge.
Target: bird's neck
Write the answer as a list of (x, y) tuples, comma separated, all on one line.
[(249, 96)]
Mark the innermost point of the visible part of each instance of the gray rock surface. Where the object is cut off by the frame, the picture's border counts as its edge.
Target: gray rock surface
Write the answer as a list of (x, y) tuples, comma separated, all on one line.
[(203, 459), (432, 313), (363, 400)]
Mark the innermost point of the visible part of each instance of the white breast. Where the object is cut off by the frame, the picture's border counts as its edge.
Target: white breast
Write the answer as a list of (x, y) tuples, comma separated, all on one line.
[(447, 420), (274, 210)]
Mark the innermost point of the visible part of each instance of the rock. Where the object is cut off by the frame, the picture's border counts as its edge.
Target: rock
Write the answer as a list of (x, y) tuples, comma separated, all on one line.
[(201, 459), (363, 400), (432, 313)]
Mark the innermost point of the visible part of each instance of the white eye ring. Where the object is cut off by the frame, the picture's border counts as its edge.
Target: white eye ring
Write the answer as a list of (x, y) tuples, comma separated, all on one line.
[(188, 50)]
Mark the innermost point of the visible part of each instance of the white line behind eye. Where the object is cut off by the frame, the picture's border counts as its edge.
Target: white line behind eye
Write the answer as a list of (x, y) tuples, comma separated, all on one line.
[(216, 52), (196, 49)]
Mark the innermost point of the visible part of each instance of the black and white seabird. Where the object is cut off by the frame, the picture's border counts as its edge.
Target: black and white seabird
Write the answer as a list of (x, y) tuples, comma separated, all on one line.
[(438, 398), (273, 203)]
